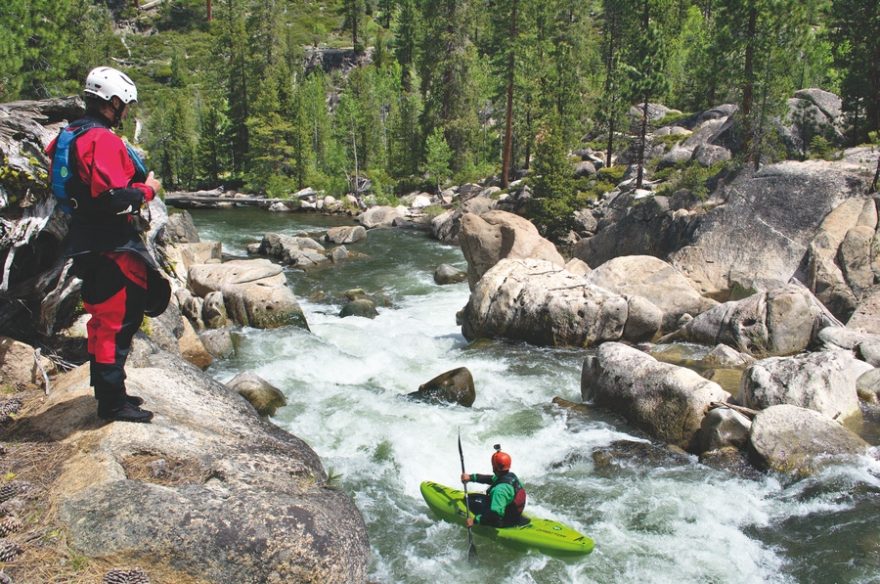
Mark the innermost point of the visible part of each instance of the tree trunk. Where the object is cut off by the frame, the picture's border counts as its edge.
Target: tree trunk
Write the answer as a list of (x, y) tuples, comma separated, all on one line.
[(508, 125), (210, 13), (749, 83), (609, 84), (643, 132), (876, 181)]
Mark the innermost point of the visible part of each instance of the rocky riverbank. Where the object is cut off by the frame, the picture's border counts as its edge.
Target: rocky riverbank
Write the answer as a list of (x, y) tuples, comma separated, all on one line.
[(775, 272)]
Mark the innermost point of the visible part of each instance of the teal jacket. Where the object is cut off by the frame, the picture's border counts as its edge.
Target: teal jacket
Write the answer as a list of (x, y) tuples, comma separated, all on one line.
[(502, 494)]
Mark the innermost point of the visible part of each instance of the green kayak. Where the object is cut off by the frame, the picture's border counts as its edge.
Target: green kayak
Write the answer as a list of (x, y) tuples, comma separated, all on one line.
[(550, 537)]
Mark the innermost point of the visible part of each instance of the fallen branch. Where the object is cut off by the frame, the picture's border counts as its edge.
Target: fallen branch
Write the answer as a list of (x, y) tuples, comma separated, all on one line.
[(37, 358)]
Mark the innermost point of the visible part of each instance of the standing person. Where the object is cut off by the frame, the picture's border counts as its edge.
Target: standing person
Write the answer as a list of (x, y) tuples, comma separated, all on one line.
[(103, 184), (505, 499)]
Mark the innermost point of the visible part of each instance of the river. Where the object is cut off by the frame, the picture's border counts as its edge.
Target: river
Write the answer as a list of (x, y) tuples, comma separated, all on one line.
[(345, 381)]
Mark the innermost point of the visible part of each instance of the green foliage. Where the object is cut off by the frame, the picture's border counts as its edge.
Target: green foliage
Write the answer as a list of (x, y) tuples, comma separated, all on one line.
[(182, 16), (760, 37), (821, 148), (171, 140), (854, 32), (613, 174), (669, 140), (212, 151), (433, 211), (670, 119), (447, 59), (693, 178), (438, 156), (227, 102), (46, 46), (553, 201)]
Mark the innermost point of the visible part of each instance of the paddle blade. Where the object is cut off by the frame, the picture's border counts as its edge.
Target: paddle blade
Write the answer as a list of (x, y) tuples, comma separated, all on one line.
[(472, 551)]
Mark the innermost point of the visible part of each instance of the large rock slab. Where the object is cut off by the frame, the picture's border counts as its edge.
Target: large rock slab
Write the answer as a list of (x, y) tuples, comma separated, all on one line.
[(794, 440), (255, 292), (778, 322), (346, 234), (866, 316), (824, 381), (655, 280), (766, 226), (207, 490), (302, 252), (838, 258), (380, 216), (486, 239), (206, 278), (544, 304), (666, 401)]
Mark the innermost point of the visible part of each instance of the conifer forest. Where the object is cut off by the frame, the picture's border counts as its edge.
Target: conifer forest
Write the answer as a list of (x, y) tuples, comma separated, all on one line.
[(271, 96)]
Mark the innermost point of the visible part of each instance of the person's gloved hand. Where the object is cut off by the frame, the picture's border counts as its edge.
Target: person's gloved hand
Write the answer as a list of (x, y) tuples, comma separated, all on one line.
[(465, 477), (153, 183)]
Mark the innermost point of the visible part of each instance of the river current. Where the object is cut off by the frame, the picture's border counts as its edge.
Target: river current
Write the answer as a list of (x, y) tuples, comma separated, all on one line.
[(345, 383)]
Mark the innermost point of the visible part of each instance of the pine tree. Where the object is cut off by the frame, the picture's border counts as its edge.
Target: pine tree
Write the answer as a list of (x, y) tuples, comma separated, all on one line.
[(313, 92), (693, 66), (94, 39), (213, 144), (616, 34), (405, 43), (648, 75), (44, 45), (759, 36), (353, 13), (553, 202), (171, 138), (271, 149), (855, 34), (438, 155), (233, 60), (406, 139), (505, 53), (14, 24), (447, 58)]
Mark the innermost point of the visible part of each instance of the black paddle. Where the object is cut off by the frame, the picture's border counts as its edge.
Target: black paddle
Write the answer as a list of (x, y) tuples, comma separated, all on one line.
[(472, 550)]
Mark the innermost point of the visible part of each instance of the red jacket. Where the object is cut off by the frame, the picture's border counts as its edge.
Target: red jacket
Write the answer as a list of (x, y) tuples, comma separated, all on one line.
[(108, 191)]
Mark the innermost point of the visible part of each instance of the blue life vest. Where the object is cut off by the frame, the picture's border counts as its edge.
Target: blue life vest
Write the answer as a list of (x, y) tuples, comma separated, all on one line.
[(62, 169)]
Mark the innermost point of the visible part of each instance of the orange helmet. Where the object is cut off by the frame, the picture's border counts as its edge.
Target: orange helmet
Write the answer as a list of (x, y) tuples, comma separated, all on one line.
[(500, 462)]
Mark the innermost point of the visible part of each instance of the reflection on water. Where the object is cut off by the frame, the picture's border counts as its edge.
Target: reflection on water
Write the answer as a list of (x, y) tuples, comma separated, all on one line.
[(676, 521)]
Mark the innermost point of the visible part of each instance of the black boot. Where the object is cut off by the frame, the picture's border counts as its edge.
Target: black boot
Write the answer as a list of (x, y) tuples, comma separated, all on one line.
[(123, 411), (134, 400)]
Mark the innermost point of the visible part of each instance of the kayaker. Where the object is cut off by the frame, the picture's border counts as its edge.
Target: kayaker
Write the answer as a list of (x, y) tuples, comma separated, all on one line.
[(103, 185), (505, 499)]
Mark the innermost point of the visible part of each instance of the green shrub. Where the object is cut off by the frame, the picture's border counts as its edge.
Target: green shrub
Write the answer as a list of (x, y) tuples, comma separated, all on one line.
[(693, 177), (664, 173), (671, 118), (820, 148), (434, 211), (670, 140), (612, 173), (280, 187)]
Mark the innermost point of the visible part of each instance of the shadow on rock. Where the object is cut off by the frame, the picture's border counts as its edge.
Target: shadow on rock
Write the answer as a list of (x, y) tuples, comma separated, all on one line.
[(57, 422)]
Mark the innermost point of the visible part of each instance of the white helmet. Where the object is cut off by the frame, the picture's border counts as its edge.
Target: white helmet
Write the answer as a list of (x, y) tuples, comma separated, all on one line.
[(105, 82)]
